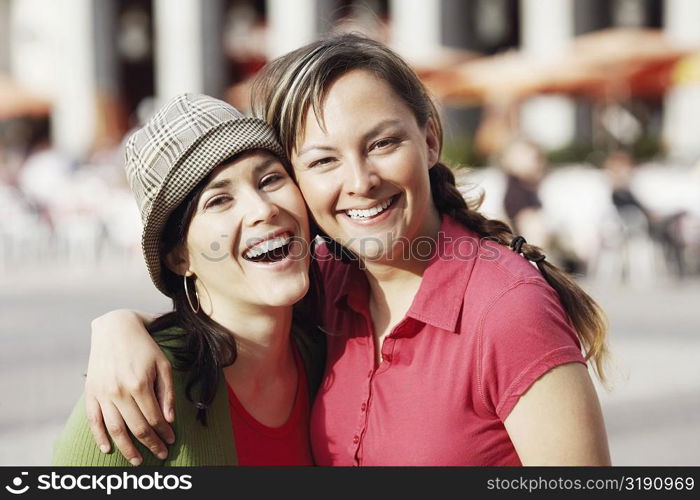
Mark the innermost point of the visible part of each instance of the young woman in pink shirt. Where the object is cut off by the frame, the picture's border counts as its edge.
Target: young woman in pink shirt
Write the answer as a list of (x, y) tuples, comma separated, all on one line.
[(451, 341)]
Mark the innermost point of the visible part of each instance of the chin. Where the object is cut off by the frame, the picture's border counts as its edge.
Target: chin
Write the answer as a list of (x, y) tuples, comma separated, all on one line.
[(286, 294), (380, 246)]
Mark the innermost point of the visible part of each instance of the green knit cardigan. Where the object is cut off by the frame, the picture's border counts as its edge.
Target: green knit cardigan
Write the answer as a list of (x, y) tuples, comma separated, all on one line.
[(195, 444)]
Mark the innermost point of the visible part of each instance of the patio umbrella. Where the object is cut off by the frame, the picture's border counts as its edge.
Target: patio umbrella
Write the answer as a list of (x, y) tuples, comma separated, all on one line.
[(614, 63), (16, 102), (625, 62)]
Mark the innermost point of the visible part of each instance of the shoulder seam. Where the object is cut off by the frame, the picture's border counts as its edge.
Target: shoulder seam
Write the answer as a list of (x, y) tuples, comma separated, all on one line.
[(480, 331)]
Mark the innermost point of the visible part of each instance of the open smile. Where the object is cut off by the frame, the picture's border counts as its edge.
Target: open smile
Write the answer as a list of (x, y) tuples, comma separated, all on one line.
[(271, 250), (374, 213)]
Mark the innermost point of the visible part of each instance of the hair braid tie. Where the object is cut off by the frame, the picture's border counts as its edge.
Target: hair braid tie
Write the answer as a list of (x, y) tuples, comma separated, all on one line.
[(516, 245)]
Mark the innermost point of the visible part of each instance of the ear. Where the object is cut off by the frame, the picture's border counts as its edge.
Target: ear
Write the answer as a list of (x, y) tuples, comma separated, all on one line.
[(432, 140), (178, 262)]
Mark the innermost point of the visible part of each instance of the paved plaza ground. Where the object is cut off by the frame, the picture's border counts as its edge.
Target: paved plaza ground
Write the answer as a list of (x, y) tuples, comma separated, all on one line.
[(652, 413)]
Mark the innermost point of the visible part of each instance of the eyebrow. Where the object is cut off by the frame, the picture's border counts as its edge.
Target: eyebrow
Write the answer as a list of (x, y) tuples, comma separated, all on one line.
[(225, 183), (217, 185), (312, 147), (373, 131), (265, 164)]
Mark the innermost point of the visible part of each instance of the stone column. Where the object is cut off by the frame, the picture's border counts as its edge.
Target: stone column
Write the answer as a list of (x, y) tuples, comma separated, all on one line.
[(52, 53), (214, 77), (682, 102), (415, 28), (179, 52), (4, 36), (547, 27), (291, 24)]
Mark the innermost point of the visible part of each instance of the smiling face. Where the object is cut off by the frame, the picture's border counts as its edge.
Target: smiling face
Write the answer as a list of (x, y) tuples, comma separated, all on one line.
[(247, 240), (364, 171)]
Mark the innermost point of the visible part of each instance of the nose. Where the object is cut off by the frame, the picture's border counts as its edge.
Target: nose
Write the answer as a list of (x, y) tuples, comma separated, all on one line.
[(362, 177), (260, 209)]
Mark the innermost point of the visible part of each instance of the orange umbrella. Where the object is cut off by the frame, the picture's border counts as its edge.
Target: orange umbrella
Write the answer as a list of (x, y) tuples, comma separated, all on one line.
[(500, 77), (626, 62), (16, 102), (613, 63), (611, 48)]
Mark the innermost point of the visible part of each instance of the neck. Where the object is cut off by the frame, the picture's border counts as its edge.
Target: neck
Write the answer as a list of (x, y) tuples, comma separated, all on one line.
[(262, 335), (394, 283)]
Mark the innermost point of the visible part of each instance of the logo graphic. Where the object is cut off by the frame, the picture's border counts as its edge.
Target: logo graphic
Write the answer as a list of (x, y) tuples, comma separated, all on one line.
[(215, 247), (17, 482)]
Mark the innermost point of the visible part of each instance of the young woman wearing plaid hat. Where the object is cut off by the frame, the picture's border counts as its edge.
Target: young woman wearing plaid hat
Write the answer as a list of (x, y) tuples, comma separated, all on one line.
[(451, 341), (226, 236)]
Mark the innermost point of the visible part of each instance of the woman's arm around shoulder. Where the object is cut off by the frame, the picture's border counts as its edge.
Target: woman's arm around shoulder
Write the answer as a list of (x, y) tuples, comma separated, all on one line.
[(128, 387)]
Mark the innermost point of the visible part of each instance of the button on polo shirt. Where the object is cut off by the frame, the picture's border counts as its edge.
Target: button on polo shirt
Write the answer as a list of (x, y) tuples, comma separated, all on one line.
[(482, 328)]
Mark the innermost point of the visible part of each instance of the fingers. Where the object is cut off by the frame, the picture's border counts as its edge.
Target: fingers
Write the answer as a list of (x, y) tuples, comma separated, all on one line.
[(149, 404), (165, 391), (140, 427), (117, 429), (129, 380), (96, 423)]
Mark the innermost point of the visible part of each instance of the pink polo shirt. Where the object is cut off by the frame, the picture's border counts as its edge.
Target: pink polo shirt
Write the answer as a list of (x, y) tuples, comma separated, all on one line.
[(482, 328)]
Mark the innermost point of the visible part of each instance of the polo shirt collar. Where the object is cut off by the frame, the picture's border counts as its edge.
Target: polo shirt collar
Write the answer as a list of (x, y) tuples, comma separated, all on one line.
[(356, 291), (441, 294)]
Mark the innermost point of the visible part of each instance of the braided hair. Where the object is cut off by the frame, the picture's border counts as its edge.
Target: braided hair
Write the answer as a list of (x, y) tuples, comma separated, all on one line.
[(586, 315)]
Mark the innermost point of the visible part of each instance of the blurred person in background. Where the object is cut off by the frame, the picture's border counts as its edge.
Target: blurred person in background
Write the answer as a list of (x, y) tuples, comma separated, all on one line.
[(637, 219), (45, 177), (434, 358), (619, 167), (223, 223), (525, 166)]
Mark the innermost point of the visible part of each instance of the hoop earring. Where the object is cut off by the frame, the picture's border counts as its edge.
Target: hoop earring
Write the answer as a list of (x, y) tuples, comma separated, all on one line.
[(187, 294)]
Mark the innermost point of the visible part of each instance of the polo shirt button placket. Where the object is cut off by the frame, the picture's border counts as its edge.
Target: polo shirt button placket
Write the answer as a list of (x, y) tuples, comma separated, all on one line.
[(357, 459), (387, 349)]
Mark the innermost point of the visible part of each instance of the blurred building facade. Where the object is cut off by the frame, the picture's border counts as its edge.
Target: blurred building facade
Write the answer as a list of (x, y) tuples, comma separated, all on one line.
[(104, 63)]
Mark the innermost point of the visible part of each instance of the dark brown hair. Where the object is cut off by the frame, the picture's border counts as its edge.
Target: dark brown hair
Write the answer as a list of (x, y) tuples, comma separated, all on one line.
[(289, 86), (208, 346)]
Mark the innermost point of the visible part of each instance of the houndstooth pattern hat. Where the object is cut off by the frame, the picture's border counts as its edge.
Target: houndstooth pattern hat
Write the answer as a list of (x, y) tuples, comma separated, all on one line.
[(178, 147)]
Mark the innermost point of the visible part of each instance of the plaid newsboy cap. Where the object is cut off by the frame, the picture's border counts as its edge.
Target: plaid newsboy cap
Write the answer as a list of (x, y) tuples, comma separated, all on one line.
[(175, 150)]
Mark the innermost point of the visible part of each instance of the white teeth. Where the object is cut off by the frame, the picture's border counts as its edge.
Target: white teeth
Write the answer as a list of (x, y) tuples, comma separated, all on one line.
[(266, 246), (356, 213)]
